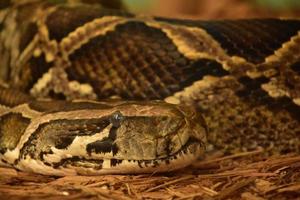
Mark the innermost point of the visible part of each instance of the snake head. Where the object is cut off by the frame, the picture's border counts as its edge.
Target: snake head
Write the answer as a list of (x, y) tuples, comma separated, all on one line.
[(154, 136), (123, 137)]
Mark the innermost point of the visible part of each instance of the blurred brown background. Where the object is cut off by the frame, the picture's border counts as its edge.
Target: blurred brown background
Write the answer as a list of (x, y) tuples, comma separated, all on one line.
[(216, 9)]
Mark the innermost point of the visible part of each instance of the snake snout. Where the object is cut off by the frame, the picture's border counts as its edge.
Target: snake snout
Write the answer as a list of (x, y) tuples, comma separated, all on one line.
[(160, 133)]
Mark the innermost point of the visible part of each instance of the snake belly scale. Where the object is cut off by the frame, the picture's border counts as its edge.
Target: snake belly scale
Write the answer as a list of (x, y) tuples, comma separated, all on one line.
[(234, 85)]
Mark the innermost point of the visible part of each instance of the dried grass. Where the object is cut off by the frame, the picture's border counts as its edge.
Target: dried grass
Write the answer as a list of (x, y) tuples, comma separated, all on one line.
[(241, 176)]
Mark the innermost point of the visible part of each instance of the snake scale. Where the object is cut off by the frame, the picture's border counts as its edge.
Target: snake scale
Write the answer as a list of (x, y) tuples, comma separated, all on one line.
[(232, 85)]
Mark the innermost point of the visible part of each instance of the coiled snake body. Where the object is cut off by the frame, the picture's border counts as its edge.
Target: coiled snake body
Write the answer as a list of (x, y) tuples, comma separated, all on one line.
[(242, 76)]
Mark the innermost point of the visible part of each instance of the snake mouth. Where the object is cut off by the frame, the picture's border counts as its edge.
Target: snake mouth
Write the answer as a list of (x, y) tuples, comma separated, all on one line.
[(189, 152)]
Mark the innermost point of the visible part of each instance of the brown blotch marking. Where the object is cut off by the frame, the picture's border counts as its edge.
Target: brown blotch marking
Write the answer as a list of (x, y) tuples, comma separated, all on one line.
[(115, 162), (90, 128), (136, 61), (58, 96), (251, 39), (254, 94), (64, 142), (41, 155), (66, 19), (12, 127), (5, 4), (106, 145), (60, 133), (32, 71), (296, 67), (28, 35)]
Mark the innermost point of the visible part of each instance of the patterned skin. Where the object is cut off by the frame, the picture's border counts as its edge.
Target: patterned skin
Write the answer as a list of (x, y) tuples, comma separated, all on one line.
[(242, 76)]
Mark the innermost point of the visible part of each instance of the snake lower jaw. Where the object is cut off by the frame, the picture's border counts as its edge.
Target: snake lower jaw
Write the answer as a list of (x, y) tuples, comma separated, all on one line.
[(190, 152)]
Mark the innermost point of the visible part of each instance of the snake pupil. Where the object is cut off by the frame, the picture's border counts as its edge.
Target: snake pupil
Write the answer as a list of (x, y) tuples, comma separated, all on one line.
[(116, 119)]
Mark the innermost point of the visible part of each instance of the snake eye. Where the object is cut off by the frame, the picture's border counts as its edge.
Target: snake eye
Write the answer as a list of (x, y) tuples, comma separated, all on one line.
[(116, 118)]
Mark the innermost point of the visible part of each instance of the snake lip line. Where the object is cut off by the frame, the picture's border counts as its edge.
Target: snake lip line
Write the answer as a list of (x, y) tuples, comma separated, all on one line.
[(191, 143), (189, 152)]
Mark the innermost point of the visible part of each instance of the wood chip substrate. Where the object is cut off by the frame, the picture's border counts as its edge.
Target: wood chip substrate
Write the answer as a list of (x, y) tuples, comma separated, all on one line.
[(249, 175)]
